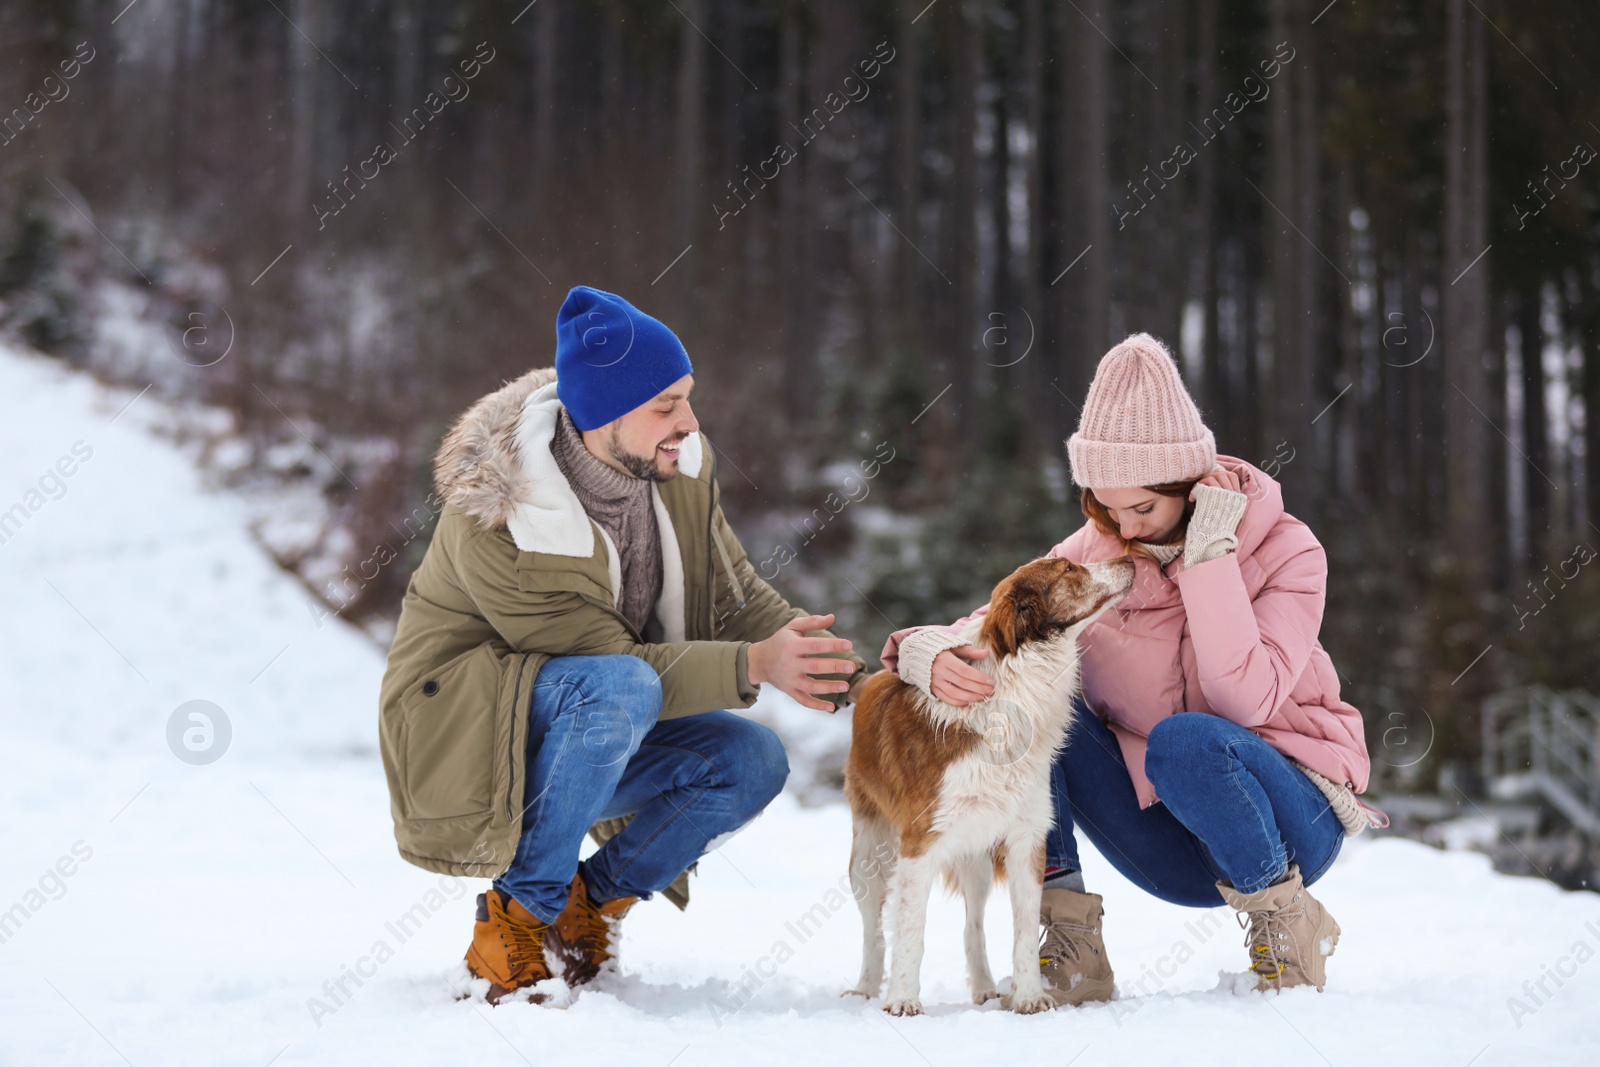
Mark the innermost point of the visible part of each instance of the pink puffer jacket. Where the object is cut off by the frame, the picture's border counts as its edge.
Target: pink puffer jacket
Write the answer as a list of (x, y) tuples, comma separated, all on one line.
[(1235, 636)]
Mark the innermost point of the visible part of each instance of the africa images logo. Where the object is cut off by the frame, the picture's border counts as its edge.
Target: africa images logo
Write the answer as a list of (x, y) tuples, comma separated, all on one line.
[(600, 345)]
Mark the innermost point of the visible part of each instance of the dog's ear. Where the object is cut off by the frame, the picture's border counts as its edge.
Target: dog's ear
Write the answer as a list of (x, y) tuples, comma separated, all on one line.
[(1019, 613), (1000, 625)]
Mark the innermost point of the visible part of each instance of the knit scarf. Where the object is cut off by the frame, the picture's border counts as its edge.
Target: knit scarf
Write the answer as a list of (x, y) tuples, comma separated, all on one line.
[(621, 504)]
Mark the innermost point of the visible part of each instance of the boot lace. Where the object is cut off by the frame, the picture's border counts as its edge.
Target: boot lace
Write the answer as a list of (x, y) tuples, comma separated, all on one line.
[(594, 933), (1061, 940), (1267, 938), (527, 942)]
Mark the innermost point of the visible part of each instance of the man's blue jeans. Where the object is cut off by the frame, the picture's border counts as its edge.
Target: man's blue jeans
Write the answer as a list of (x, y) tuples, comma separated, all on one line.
[(597, 751), (1233, 809)]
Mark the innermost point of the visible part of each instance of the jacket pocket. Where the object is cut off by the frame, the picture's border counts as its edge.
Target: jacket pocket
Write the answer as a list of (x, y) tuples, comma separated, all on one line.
[(534, 577), (449, 749)]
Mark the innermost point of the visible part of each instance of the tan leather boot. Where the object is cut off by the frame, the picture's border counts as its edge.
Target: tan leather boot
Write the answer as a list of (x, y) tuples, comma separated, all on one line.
[(507, 946), (1291, 935), (1072, 950), (583, 933)]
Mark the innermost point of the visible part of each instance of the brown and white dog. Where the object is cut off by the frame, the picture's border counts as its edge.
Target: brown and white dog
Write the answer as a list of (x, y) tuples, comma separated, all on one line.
[(965, 791)]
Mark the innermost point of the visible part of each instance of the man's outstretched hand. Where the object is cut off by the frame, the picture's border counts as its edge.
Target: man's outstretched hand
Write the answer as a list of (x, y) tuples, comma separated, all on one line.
[(790, 657)]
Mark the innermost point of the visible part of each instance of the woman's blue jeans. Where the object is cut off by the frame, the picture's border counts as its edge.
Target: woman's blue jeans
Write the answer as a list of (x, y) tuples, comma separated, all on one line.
[(596, 750), (1233, 809)]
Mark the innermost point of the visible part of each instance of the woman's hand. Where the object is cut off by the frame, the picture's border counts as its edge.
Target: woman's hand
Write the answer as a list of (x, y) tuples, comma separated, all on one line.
[(957, 682), (1222, 479), (1214, 526)]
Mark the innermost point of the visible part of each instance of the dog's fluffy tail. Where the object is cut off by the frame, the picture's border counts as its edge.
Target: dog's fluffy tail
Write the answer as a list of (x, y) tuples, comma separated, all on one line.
[(951, 878)]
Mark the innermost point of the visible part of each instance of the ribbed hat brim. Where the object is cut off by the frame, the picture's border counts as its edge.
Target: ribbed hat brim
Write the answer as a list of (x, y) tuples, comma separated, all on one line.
[(1119, 465)]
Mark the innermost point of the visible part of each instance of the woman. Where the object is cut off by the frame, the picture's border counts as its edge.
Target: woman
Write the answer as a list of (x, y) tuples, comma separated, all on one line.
[(1212, 760)]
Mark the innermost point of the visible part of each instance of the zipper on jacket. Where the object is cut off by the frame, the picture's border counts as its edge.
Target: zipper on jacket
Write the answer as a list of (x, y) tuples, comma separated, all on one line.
[(722, 549), (711, 516), (727, 563)]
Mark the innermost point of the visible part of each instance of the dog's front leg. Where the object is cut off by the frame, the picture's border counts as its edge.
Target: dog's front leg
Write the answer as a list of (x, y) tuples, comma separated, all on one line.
[(1024, 860), (911, 883)]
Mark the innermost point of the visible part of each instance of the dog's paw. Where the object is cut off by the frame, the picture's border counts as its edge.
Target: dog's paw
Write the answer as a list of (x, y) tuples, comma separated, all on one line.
[(983, 996), (1030, 1004), (904, 1006), (862, 993)]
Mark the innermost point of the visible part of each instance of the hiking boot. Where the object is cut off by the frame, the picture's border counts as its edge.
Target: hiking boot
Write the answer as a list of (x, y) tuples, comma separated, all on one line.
[(583, 932), (507, 946), (1291, 935), (1072, 950)]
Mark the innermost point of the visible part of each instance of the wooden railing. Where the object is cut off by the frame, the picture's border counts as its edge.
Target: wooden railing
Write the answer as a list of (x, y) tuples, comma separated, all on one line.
[(1546, 743)]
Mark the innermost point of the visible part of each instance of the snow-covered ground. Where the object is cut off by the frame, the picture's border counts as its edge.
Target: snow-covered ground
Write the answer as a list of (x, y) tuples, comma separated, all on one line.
[(249, 910)]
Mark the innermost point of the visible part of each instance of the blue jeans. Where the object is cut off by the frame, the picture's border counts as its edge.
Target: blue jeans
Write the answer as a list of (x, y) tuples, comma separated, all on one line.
[(597, 751), (1233, 809)]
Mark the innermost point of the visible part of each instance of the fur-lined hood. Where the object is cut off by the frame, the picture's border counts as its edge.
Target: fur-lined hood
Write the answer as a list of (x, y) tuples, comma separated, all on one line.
[(495, 465)]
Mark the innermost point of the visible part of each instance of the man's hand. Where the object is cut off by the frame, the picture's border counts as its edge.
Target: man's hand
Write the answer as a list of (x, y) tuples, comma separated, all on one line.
[(785, 660), (955, 681)]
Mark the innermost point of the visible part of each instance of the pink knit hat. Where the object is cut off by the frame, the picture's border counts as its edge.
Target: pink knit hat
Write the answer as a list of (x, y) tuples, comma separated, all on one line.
[(1139, 426)]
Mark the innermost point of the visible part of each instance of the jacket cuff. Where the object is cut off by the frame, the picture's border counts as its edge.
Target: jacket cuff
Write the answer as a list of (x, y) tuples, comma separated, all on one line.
[(1213, 527), (919, 650), (741, 675)]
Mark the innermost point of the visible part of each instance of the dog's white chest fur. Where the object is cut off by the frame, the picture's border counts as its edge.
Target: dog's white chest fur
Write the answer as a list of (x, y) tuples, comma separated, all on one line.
[(1004, 780)]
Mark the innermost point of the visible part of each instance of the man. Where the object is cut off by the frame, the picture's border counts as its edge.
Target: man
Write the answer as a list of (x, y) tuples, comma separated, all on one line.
[(568, 648)]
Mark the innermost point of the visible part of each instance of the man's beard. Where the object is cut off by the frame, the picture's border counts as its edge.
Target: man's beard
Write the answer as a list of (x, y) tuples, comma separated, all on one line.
[(638, 466)]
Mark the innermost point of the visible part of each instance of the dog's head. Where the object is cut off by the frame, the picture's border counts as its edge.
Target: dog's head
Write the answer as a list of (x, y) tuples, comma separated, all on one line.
[(1042, 598)]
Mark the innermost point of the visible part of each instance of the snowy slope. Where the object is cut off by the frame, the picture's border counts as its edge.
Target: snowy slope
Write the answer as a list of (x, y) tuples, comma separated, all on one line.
[(155, 911)]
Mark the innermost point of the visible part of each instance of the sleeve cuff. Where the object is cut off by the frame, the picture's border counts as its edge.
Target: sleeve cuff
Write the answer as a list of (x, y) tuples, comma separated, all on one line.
[(741, 675), (919, 650), (1214, 524)]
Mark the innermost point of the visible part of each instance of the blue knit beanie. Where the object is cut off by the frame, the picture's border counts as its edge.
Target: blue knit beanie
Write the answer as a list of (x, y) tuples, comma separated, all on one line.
[(611, 357)]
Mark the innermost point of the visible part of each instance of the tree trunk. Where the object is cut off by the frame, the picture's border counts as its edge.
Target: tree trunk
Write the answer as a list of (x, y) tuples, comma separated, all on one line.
[(1001, 287), (1030, 287), (1349, 429), (908, 265), (546, 80), (688, 164), (304, 69), (792, 197), (405, 23), (1588, 326), (1311, 358), (1535, 425), (966, 53), (1160, 286), (1465, 287), (1460, 600), (1292, 261), (1082, 280), (1213, 388), (185, 99)]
